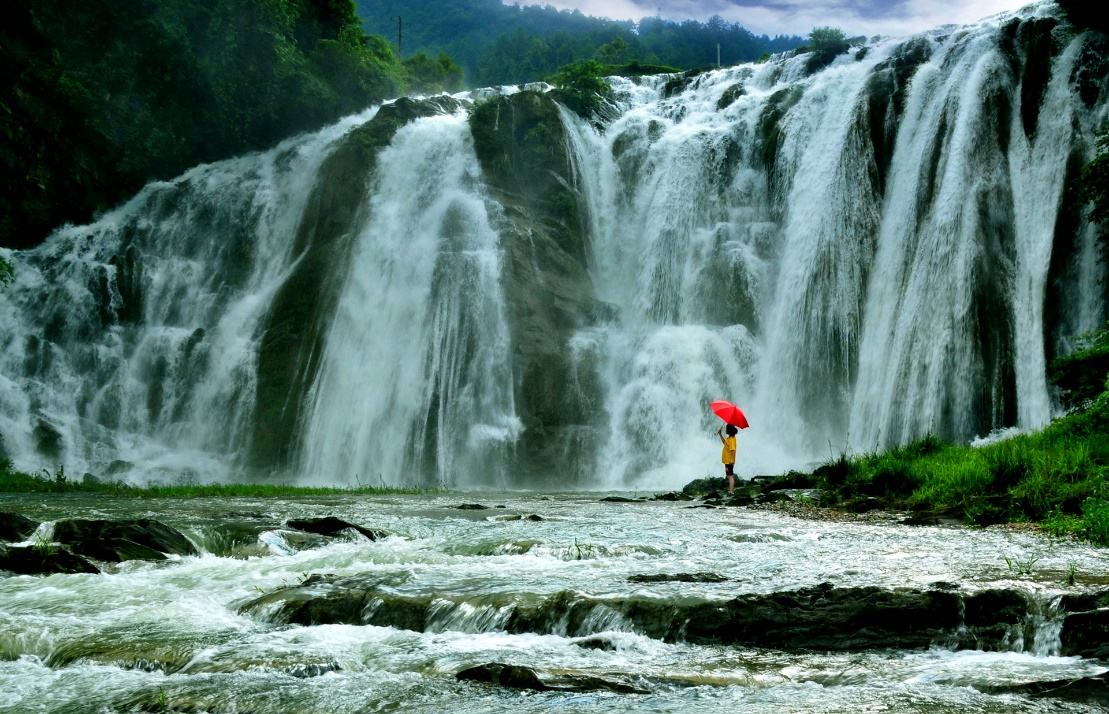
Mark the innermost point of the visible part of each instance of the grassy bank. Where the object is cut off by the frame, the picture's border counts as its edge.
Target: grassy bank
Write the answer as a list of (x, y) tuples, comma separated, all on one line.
[(16, 482), (1056, 477)]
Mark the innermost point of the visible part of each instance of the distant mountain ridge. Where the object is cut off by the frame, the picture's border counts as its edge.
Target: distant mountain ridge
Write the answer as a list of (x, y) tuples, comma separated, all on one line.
[(507, 44)]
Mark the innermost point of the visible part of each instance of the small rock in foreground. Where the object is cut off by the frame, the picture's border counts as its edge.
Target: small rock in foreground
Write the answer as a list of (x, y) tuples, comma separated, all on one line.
[(117, 541), (330, 526), (31, 560), (15, 527)]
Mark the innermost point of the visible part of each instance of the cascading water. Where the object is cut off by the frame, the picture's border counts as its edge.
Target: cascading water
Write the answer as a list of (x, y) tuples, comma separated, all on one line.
[(858, 256), (416, 372), (129, 345)]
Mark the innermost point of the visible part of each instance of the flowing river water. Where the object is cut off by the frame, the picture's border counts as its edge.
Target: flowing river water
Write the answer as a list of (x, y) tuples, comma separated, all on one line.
[(171, 636)]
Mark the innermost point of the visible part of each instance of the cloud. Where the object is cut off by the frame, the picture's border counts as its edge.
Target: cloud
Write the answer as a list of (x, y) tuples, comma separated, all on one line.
[(797, 17)]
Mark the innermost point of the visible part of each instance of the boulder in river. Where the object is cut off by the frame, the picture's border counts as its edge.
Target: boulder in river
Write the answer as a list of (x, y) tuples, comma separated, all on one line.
[(15, 527), (1086, 634), (33, 560), (677, 578), (117, 541), (471, 507), (823, 617), (519, 677), (331, 526)]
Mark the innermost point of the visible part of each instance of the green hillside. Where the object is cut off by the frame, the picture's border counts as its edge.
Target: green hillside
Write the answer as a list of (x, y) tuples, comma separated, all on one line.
[(501, 44)]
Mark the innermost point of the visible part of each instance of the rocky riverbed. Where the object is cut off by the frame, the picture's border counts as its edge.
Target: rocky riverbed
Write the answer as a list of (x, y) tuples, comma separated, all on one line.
[(510, 602)]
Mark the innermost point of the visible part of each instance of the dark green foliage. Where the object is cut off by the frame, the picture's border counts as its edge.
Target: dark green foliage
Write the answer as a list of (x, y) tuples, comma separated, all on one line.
[(1080, 376), (501, 43), (7, 273), (1085, 14), (429, 76), (1095, 184), (1057, 476), (825, 43), (581, 86), (98, 97)]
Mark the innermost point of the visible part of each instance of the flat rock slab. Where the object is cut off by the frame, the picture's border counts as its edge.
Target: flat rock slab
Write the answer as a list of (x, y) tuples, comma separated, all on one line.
[(822, 618), (677, 578), (31, 560), (471, 507), (331, 526), (15, 527), (518, 677), (117, 541), (1086, 634)]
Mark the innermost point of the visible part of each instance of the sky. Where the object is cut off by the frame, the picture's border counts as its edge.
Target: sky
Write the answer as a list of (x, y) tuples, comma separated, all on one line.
[(797, 17)]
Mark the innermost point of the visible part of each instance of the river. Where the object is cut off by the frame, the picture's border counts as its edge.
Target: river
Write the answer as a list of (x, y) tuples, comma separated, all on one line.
[(174, 636)]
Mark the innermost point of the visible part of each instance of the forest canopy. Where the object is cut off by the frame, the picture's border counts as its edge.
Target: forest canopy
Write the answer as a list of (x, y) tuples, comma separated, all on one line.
[(98, 97), (497, 43)]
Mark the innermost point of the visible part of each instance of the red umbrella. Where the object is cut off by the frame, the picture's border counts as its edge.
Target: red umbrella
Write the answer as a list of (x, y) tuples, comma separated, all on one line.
[(730, 413)]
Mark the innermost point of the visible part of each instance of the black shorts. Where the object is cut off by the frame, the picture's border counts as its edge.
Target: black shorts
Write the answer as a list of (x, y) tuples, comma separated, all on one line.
[(729, 469)]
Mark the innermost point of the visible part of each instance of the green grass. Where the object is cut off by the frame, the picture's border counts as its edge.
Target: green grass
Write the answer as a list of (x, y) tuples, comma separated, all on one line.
[(1056, 477), (16, 482)]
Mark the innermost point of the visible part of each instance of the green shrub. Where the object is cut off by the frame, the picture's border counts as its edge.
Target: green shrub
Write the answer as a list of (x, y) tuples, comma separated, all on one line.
[(582, 87), (1095, 520), (1080, 375), (7, 273), (825, 43)]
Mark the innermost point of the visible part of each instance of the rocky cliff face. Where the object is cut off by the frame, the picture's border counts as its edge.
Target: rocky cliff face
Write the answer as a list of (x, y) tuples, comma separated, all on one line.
[(523, 148)]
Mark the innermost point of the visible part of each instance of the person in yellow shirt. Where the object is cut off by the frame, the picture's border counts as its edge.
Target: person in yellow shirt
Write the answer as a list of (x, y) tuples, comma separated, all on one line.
[(728, 455)]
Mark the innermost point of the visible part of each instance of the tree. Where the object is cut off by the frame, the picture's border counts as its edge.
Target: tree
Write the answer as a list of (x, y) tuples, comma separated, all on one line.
[(7, 273), (825, 43), (582, 86), (615, 52), (433, 75), (1095, 183)]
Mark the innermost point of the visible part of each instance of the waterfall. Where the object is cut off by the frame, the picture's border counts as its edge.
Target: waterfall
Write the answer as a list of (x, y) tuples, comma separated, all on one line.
[(416, 372), (128, 345), (857, 256)]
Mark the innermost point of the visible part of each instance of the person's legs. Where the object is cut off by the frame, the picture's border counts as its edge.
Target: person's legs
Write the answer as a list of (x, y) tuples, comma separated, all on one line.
[(729, 471)]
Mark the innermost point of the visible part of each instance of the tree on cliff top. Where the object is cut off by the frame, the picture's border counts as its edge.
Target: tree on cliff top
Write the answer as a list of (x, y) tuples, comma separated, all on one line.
[(825, 43), (582, 87)]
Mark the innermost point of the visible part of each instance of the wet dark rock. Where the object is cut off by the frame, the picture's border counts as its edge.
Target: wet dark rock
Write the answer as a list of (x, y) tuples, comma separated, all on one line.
[(617, 499), (471, 507), (729, 96), (994, 606), (677, 578), (865, 504), (331, 526), (596, 643), (119, 466), (533, 517), (740, 498), (505, 675), (829, 618), (312, 669), (771, 497), (702, 486), (15, 527), (518, 677), (1086, 634), (943, 585), (791, 480), (672, 496), (817, 618), (32, 560), (116, 541), (1082, 602), (1085, 690)]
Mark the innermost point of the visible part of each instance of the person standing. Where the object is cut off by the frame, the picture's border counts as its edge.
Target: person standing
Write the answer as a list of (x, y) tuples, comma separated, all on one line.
[(728, 454)]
